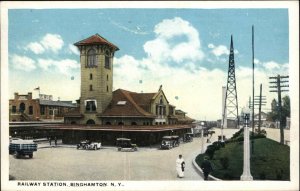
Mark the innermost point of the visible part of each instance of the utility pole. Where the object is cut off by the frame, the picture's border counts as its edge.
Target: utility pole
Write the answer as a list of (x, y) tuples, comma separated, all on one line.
[(279, 84), (261, 102), (252, 142)]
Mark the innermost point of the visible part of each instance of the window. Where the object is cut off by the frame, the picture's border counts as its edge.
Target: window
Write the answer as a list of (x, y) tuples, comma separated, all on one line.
[(90, 122), (91, 87), (42, 108), (90, 105), (121, 102), (30, 110), (91, 76), (107, 60), (91, 58), (14, 109), (22, 107), (107, 88)]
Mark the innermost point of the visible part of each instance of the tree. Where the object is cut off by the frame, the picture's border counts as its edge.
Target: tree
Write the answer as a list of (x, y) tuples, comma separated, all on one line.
[(286, 109), (274, 114)]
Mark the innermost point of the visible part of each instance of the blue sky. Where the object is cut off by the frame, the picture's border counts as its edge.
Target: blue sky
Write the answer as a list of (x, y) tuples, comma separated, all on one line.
[(185, 50)]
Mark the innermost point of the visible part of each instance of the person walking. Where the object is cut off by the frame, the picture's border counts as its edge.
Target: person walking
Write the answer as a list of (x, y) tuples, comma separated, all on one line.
[(50, 140), (55, 141), (206, 167), (180, 165)]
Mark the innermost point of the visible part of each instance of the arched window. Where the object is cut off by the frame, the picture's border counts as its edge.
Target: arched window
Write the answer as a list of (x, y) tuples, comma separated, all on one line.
[(107, 60), (91, 76), (91, 58), (107, 88), (90, 122), (91, 87), (22, 107)]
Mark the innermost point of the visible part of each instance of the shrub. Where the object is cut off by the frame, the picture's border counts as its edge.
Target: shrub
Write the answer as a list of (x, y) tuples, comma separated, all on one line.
[(262, 176), (216, 145), (210, 151), (279, 174), (224, 162)]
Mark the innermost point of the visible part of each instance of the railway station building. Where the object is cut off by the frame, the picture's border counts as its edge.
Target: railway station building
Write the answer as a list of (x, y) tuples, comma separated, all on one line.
[(104, 114)]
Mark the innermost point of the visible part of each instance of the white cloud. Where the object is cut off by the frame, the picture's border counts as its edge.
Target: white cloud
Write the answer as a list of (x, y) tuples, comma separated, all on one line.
[(73, 49), (52, 42), (22, 63), (35, 47), (271, 65), (63, 66), (165, 48), (256, 61), (220, 50), (211, 45), (136, 30)]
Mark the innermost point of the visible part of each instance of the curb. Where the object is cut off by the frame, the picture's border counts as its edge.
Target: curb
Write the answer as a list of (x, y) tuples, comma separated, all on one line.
[(200, 172)]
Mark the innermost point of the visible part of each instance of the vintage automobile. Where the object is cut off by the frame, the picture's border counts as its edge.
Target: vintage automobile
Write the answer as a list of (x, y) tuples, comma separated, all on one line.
[(124, 144), (188, 137), (169, 142), (88, 145)]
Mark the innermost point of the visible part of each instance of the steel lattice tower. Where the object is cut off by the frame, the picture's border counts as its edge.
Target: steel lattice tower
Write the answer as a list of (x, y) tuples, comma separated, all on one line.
[(231, 103)]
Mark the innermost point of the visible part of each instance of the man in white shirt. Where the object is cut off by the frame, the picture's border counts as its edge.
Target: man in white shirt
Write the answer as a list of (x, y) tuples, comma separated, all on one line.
[(180, 164)]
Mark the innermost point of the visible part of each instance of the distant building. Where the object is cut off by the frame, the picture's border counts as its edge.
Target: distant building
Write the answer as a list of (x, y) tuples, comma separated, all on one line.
[(25, 108), (263, 118)]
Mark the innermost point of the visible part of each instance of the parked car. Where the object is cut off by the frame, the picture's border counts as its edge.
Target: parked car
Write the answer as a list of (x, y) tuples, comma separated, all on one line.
[(169, 142), (188, 137), (20, 147), (89, 145), (124, 144)]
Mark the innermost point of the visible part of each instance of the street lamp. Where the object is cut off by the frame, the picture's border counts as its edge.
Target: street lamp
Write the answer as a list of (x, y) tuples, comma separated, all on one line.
[(246, 169), (202, 136)]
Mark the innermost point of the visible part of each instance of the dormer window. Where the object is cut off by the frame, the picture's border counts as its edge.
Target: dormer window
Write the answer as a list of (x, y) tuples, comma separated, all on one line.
[(107, 60), (91, 58)]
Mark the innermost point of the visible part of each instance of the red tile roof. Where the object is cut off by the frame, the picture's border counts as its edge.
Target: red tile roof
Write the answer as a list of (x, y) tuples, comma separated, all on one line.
[(96, 39), (132, 107)]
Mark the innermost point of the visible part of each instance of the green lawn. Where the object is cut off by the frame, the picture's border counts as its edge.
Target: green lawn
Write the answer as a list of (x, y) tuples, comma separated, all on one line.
[(270, 161)]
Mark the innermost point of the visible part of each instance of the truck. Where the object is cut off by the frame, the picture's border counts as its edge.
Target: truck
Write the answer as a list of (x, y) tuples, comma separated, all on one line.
[(20, 147)]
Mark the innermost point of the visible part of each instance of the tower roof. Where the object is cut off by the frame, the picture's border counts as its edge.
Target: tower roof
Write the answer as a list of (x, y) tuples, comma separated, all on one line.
[(95, 39)]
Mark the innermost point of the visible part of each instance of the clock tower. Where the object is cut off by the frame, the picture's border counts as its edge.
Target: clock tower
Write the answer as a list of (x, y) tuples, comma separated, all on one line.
[(96, 61)]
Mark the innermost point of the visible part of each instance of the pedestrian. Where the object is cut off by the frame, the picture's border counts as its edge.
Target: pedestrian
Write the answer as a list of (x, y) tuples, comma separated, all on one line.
[(206, 167), (55, 141), (50, 140), (180, 165)]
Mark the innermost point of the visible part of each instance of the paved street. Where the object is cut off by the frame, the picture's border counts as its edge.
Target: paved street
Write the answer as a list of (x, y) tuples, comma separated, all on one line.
[(68, 163)]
